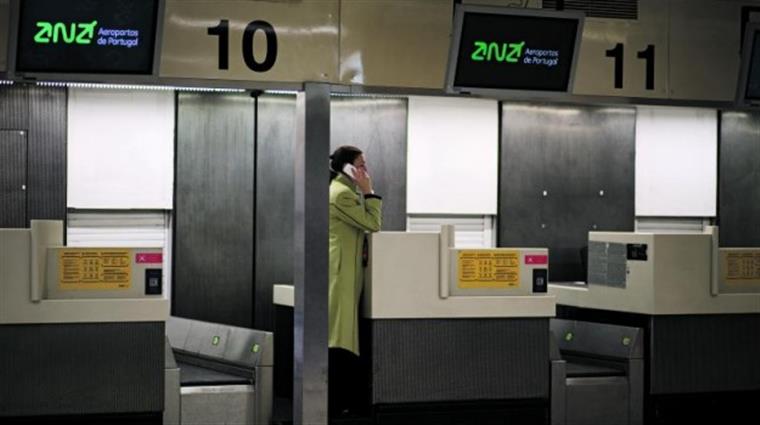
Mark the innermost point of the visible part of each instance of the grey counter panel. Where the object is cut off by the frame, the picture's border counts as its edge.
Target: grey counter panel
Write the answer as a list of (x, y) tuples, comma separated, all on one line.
[(79, 369), (447, 360)]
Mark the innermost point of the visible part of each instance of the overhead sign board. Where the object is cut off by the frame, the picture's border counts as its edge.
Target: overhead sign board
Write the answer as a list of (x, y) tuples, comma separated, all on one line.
[(251, 40), (505, 49), (86, 36)]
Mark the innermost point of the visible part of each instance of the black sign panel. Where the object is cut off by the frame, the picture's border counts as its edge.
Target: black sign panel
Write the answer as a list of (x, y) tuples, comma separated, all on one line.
[(515, 51), (87, 36)]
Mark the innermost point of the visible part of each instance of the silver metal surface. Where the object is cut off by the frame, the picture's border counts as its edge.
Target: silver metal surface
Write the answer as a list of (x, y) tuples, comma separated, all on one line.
[(597, 401), (13, 103), (12, 177), (12, 35), (671, 224), (226, 348), (275, 143), (214, 208), (310, 262), (225, 404), (738, 197), (601, 399), (4, 9), (172, 397), (263, 400), (570, 152), (557, 395), (636, 391), (445, 243), (601, 339), (46, 166), (237, 346)]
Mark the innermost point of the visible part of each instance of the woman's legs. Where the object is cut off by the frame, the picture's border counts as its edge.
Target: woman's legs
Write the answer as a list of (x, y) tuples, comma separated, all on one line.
[(343, 382)]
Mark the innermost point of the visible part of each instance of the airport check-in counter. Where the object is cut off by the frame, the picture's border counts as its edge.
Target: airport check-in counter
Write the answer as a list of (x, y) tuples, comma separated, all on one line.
[(698, 304), (84, 328), (448, 325)]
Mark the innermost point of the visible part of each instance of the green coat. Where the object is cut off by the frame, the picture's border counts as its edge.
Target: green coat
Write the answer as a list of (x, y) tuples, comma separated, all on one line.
[(351, 216)]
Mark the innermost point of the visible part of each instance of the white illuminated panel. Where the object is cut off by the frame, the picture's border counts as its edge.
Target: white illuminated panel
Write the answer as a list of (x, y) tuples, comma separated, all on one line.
[(676, 162), (120, 149), (453, 156)]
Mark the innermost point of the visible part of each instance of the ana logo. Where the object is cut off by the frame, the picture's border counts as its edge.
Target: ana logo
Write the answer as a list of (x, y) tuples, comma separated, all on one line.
[(79, 33), (501, 52)]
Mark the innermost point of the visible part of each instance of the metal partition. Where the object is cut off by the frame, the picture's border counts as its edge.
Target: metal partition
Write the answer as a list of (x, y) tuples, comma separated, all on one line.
[(214, 208), (33, 124), (738, 179), (275, 144), (13, 178), (565, 170)]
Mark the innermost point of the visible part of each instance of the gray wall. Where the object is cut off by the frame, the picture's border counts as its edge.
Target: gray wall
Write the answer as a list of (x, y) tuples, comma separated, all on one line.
[(214, 211), (572, 153), (41, 114), (739, 179), (275, 144)]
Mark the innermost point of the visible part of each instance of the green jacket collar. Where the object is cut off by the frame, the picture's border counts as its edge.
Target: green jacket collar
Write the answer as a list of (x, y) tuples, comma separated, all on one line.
[(342, 178)]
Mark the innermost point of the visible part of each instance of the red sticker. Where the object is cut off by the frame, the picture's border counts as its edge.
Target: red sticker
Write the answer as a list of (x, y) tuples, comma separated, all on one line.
[(536, 259), (149, 258)]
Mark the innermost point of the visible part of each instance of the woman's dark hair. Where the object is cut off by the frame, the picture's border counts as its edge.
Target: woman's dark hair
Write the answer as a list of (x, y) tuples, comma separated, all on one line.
[(342, 156)]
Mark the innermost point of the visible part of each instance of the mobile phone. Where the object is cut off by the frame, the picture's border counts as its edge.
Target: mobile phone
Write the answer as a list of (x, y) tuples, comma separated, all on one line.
[(350, 171)]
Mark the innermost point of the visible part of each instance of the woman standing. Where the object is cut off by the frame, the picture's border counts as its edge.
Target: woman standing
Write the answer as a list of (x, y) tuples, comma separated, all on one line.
[(354, 211)]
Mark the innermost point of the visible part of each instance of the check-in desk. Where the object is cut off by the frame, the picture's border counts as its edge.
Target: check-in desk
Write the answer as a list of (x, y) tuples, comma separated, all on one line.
[(455, 332), (82, 330), (699, 307)]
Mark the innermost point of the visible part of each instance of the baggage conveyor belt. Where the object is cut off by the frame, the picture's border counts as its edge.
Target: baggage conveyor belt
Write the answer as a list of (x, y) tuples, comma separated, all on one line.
[(195, 376)]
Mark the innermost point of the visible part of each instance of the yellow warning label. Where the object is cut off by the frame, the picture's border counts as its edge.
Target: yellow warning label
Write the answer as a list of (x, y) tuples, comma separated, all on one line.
[(741, 267), (478, 269), (96, 269)]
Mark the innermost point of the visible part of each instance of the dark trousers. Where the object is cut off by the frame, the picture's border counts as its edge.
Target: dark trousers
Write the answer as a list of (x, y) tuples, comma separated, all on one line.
[(345, 383)]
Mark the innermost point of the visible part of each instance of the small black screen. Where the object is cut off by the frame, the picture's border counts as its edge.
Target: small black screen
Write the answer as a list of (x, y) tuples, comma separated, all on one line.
[(516, 52), (87, 36)]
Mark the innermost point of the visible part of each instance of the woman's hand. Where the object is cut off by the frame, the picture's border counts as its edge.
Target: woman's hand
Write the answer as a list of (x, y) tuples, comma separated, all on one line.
[(363, 180)]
